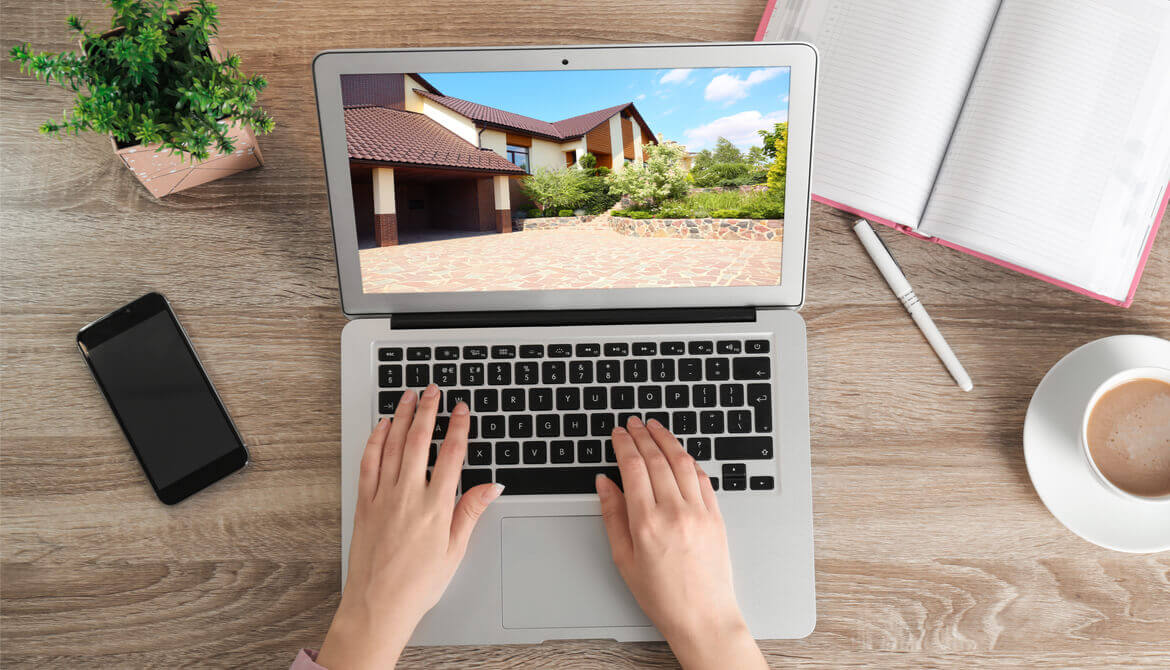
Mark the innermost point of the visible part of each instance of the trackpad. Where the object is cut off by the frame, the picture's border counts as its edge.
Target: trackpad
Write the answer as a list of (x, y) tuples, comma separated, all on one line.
[(558, 574)]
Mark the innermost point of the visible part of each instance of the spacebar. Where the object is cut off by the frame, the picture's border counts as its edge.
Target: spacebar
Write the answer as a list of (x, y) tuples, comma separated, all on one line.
[(521, 481)]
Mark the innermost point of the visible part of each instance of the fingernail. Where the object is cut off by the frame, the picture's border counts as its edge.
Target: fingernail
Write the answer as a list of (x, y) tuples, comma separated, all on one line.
[(493, 493), (383, 421), (654, 423), (461, 409), (619, 430), (408, 396), (432, 391), (597, 482), (634, 421)]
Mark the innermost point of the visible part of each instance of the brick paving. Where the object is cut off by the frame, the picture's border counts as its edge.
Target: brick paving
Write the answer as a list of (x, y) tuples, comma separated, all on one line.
[(567, 259)]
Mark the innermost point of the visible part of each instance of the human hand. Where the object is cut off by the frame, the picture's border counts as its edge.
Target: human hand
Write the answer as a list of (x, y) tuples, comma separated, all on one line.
[(670, 546), (409, 535)]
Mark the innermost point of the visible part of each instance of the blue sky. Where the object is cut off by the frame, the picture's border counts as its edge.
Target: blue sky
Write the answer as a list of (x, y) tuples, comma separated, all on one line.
[(691, 106)]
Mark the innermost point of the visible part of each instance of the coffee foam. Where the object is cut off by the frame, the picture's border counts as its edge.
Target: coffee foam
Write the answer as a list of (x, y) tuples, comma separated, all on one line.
[(1128, 435)]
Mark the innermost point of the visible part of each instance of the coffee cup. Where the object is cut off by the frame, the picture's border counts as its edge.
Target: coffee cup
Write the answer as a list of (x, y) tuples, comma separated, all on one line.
[(1124, 434)]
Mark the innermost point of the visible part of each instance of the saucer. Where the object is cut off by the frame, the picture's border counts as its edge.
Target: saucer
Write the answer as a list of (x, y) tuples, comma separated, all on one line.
[(1056, 463)]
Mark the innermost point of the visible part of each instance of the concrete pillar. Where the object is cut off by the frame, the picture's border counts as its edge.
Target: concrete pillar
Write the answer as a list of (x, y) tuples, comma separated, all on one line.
[(582, 147), (385, 216), (616, 148), (637, 141), (503, 204)]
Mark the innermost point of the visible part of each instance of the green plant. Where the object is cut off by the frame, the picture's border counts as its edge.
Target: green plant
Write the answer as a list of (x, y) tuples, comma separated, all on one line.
[(554, 189), (729, 214), (587, 161), (533, 213), (565, 212), (778, 171), (154, 81), (660, 179)]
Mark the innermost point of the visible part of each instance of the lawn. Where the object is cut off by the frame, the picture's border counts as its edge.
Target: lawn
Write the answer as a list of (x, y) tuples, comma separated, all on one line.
[(730, 204)]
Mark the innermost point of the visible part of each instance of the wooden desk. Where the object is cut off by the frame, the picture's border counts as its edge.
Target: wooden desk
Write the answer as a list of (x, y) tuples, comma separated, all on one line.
[(932, 548)]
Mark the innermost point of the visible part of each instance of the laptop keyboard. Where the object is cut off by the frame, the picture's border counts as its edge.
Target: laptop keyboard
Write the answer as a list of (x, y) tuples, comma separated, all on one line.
[(542, 414)]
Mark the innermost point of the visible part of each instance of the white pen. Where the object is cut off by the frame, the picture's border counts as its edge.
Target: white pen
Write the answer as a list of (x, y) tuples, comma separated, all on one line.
[(901, 288)]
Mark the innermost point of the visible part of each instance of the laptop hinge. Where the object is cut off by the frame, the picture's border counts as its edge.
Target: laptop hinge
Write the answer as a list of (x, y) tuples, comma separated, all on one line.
[(570, 317)]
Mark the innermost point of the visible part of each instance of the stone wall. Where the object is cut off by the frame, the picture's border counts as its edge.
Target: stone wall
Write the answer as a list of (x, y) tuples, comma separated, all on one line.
[(554, 222), (762, 230)]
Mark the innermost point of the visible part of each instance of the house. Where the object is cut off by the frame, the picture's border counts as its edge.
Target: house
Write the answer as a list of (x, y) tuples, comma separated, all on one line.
[(424, 164)]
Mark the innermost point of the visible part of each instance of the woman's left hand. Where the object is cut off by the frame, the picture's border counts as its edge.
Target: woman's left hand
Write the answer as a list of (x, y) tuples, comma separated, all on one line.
[(409, 534)]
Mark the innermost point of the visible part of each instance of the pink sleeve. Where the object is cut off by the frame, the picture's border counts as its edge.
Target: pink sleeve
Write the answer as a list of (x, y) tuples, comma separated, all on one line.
[(306, 660)]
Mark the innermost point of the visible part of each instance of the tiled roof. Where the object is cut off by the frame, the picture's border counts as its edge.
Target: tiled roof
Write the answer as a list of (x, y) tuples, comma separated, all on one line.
[(577, 126), (396, 136), (565, 129)]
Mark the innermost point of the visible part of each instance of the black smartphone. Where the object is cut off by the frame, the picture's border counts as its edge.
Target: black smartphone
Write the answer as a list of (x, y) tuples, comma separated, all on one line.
[(175, 422)]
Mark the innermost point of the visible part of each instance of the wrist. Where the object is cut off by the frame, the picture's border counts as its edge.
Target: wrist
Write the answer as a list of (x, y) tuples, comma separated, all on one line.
[(716, 640), (361, 640)]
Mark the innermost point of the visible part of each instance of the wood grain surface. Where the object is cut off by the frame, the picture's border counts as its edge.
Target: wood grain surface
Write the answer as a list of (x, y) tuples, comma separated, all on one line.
[(932, 548)]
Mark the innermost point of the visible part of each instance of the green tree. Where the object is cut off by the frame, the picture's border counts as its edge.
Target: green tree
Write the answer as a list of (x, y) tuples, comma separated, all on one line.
[(778, 171), (726, 152), (661, 178), (555, 189), (780, 130)]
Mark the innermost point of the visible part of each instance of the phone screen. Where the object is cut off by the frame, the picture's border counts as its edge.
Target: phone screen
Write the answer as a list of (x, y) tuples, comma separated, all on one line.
[(163, 400)]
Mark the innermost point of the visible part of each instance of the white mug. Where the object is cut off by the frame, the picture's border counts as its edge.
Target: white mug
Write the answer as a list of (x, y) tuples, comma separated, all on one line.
[(1161, 374)]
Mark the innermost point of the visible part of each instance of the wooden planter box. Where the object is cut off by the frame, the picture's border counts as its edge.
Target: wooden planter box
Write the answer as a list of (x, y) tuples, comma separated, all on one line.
[(163, 172)]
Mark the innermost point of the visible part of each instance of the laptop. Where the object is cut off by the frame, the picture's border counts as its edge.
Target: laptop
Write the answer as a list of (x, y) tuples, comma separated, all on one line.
[(563, 237)]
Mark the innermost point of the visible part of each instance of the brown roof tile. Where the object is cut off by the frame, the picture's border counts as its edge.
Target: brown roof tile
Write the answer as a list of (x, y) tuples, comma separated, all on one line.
[(576, 126), (396, 136), (493, 116)]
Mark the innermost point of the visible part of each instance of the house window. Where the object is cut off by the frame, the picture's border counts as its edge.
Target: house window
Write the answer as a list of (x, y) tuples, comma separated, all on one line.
[(570, 157), (519, 156)]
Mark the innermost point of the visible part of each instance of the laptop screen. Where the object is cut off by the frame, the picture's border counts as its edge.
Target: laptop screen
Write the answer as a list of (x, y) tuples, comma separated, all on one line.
[(585, 179)]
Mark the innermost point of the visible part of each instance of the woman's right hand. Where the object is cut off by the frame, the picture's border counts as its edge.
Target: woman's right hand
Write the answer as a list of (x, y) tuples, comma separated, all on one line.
[(670, 545)]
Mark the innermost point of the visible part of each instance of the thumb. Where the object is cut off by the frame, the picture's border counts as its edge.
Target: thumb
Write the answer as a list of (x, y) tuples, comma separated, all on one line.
[(613, 513), (474, 501)]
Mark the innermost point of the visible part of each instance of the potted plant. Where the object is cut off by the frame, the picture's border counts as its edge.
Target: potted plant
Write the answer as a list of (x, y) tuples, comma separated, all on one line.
[(176, 106)]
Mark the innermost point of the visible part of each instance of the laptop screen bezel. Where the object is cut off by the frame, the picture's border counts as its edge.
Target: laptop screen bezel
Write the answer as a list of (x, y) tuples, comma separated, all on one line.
[(328, 66)]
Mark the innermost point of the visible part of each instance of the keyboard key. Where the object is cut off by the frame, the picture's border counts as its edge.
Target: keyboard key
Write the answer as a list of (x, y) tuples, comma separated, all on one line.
[(446, 374), (734, 483), (673, 349), (507, 453), (739, 421), (714, 483), (717, 369), (389, 376), (743, 448), (576, 425), (581, 372), (473, 427), (662, 370), (703, 395), (548, 425), (456, 396), (699, 448), (678, 396), (388, 401), (621, 397), (690, 370), (440, 429), (617, 349), (527, 373), (418, 354), (446, 353), (390, 354), (684, 423), (700, 347), (475, 353), (609, 372), (711, 422), (432, 455), (492, 425), (649, 397), (472, 478), (540, 399), (535, 453), (601, 424), (635, 370), (762, 483), (471, 374), (479, 453), (623, 418), (610, 456), (595, 397), (731, 395), (760, 399), (734, 470), (645, 349), (418, 375), (520, 425), (552, 372), (504, 351), (589, 451), (561, 451), (661, 417), (752, 367), (729, 347), (487, 400), (512, 400), (560, 350), (550, 480), (568, 398), (532, 351), (756, 347), (588, 350), (499, 374)]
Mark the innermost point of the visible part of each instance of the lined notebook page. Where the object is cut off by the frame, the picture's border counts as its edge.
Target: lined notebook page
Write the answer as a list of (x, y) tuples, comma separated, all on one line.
[(1063, 145), (893, 75)]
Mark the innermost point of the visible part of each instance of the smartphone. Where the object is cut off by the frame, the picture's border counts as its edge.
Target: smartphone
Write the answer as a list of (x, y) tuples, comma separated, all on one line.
[(175, 422)]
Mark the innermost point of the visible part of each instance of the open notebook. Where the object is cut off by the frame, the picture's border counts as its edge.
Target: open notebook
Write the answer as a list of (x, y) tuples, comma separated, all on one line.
[(1033, 133)]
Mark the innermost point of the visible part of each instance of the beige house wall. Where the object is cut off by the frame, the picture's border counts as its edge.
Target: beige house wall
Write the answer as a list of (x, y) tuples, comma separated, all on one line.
[(453, 121), (413, 101), (383, 190), (496, 140), (638, 157), (548, 155), (617, 148)]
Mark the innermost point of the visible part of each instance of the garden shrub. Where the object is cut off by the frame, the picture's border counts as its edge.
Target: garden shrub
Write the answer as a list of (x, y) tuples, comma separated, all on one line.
[(534, 213), (729, 214), (565, 212), (660, 179)]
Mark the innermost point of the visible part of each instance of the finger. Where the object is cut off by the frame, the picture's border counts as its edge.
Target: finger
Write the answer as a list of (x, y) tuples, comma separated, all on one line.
[(418, 438), (392, 450), (617, 521), (471, 506), (639, 496), (681, 463), (662, 479), (371, 464), (706, 490), (449, 463)]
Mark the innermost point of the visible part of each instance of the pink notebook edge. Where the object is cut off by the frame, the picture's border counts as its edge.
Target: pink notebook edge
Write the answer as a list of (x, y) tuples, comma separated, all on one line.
[(1137, 276)]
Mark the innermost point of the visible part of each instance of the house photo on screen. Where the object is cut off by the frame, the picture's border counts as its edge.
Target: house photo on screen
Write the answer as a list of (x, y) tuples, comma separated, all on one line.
[(499, 181)]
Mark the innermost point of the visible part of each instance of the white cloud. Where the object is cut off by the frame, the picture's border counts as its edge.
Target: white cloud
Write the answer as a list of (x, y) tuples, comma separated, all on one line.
[(676, 76), (739, 128), (640, 96), (729, 88)]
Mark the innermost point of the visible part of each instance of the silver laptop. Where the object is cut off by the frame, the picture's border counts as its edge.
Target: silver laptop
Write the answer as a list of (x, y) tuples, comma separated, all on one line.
[(482, 245)]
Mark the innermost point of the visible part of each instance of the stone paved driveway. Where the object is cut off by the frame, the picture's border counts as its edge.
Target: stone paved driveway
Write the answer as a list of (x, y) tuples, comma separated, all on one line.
[(567, 259)]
